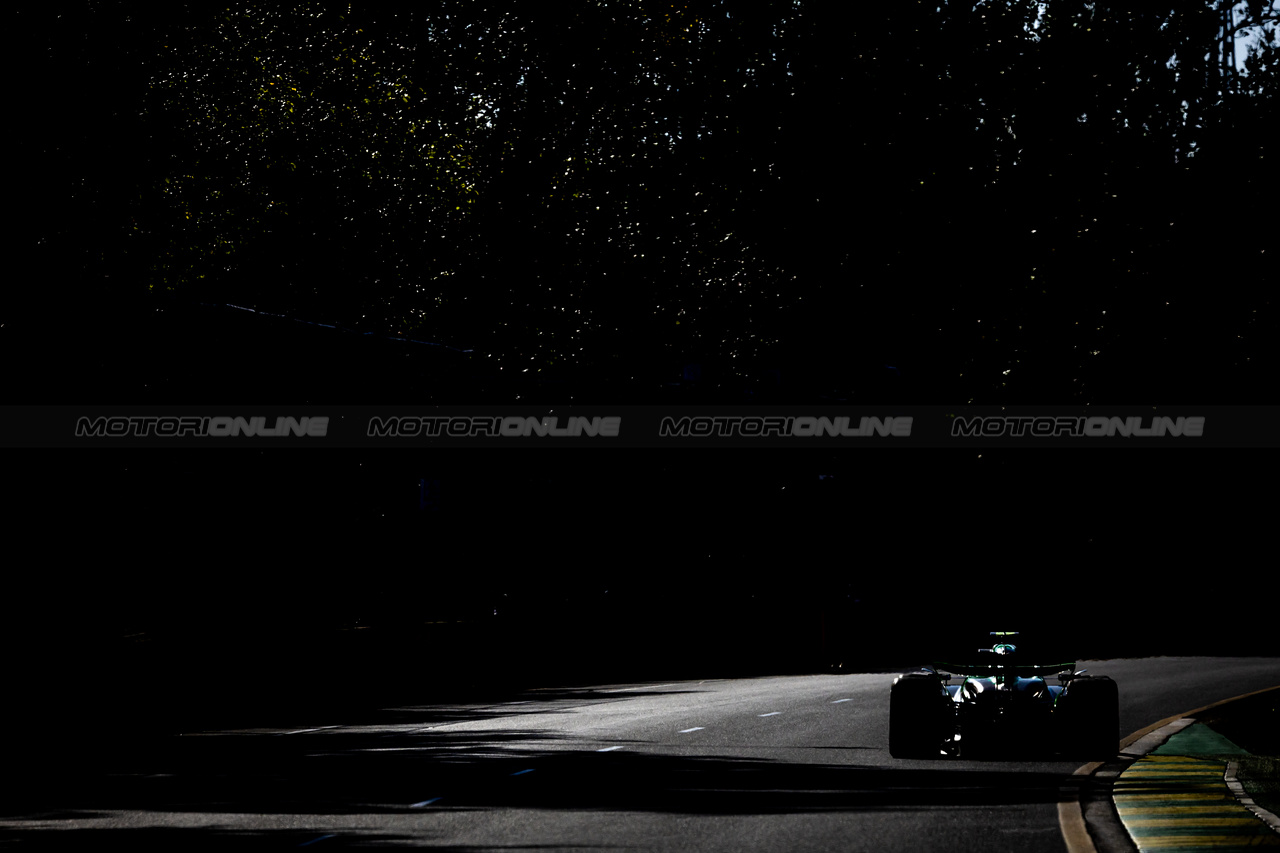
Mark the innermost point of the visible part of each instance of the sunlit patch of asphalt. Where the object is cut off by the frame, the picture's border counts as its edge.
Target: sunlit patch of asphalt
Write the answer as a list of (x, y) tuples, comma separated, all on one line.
[(335, 825)]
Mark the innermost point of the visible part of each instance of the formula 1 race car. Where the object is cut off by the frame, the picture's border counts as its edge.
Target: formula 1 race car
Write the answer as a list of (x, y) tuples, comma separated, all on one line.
[(1002, 703)]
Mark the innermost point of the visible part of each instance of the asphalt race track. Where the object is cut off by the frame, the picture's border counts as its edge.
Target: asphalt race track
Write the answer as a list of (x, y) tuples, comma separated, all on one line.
[(771, 764)]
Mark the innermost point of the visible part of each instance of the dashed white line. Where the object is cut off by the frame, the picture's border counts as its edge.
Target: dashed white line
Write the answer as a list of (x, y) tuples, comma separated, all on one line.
[(838, 701), (770, 714), (425, 803), (609, 749), (694, 729)]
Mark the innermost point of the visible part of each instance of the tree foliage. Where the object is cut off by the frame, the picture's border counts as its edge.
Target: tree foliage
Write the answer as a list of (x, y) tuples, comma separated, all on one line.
[(1012, 200)]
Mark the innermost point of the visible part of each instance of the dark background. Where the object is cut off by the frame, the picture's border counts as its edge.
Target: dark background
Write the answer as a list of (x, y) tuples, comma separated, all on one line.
[(199, 584), (992, 203), (870, 205)]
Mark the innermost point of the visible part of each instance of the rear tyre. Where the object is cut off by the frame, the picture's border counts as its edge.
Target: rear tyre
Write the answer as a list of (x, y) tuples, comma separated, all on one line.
[(916, 705)]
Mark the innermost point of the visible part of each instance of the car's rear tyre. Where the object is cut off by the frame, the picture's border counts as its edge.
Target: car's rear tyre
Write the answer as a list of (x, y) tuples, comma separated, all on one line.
[(916, 705), (1091, 709)]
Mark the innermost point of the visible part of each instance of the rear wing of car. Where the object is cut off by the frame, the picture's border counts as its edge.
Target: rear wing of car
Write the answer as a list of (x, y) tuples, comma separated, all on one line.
[(985, 669)]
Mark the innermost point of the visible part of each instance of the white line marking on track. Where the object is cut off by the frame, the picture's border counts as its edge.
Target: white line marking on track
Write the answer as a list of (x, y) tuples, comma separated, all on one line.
[(770, 714), (609, 749), (425, 803), (305, 731), (838, 701), (694, 729)]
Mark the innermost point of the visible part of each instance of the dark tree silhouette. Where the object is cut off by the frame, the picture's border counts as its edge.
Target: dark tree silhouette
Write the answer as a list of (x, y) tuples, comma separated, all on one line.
[(1010, 201)]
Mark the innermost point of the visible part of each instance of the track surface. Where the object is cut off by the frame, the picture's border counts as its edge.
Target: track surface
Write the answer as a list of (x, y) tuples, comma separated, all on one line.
[(786, 763)]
